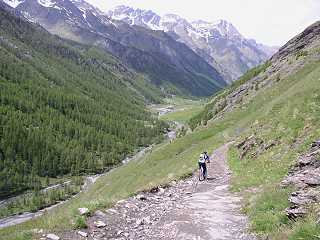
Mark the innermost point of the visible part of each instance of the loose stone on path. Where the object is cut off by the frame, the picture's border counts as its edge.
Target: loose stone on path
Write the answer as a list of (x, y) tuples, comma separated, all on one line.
[(185, 210)]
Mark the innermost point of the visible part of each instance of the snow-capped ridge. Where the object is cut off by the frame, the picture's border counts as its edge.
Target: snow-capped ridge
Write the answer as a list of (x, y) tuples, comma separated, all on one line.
[(46, 3), (149, 19), (224, 27), (171, 17), (212, 40), (13, 3)]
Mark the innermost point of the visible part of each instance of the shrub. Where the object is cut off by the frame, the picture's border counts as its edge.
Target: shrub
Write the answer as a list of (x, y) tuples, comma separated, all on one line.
[(80, 222)]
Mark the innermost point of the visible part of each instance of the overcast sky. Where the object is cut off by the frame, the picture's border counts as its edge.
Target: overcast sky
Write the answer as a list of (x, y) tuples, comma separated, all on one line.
[(271, 22)]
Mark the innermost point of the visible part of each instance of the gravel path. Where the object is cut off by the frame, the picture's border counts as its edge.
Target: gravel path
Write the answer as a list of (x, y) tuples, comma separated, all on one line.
[(185, 210)]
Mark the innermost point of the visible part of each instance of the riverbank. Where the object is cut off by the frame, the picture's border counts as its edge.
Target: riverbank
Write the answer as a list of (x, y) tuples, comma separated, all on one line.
[(89, 180), (120, 183)]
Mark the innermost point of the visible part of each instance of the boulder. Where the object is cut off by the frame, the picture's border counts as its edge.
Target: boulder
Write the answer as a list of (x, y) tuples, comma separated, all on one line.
[(304, 160), (158, 190), (301, 200), (141, 197), (316, 143), (37, 231), (83, 234), (121, 201), (270, 145), (83, 211), (161, 191), (312, 179), (293, 213), (52, 236), (112, 211), (241, 144), (139, 222), (100, 224), (146, 220)]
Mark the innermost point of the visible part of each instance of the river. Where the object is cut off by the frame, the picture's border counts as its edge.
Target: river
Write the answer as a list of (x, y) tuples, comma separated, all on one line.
[(17, 219)]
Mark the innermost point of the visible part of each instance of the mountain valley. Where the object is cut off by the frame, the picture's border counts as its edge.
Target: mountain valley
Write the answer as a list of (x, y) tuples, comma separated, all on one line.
[(219, 43), (129, 99), (167, 63)]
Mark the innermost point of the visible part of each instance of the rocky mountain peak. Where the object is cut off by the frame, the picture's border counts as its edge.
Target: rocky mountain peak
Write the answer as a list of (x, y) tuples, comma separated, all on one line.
[(145, 18), (171, 18), (84, 6), (223, 27), (121, 9), (159, 56), (219, 42), (227, 28)]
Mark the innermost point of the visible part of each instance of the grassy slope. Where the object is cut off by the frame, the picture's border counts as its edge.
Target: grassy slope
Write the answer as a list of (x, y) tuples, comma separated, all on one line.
[(291, 113), (210, 110)]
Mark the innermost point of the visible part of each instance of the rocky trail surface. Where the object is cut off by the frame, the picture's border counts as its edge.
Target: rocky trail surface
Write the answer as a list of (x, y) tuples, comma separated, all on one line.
[(187, 209)]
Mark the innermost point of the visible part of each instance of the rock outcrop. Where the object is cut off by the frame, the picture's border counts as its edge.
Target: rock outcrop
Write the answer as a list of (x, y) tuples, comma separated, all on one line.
[(305, 177), (253, 146)]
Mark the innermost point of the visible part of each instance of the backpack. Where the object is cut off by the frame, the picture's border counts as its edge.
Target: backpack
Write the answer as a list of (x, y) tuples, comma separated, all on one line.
[(202, 158)]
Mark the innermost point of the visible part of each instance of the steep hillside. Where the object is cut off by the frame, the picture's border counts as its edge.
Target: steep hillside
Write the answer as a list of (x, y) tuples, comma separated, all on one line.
[(169, 64), (219, 43), (276, 127), (301, 50), (64, 108)]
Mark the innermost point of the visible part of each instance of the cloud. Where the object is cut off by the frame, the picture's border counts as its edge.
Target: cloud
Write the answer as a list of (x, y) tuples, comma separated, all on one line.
[(271, 22)]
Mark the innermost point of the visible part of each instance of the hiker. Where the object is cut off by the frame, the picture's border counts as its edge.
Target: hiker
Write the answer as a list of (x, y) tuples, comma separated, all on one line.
[(203, 159)]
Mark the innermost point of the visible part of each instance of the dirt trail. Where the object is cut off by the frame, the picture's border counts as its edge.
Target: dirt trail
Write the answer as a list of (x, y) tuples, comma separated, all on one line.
[(212, 212), (186, 210)]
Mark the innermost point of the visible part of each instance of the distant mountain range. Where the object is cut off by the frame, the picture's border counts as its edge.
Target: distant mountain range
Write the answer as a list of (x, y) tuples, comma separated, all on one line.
[(219, 43), (169, 64), (180, 57)]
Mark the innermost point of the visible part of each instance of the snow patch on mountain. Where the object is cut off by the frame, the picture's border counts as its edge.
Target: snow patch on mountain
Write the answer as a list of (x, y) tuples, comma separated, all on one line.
[(13, 3), (171, 18), (218, 42), (84, 13), (28, 17), (199, 28), (224, 28), (46, 3)]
